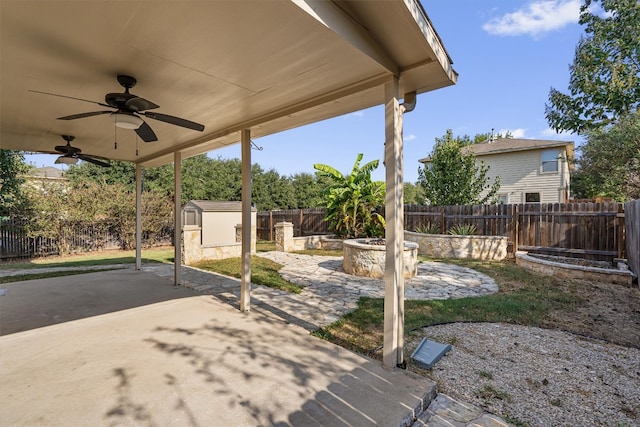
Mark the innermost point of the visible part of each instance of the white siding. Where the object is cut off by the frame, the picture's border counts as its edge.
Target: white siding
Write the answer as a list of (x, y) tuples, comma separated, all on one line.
[(520, 173)]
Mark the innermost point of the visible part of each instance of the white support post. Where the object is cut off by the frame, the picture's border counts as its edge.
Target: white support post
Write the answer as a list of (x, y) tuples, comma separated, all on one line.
[(392, 355), (245, 284), (138, 217), (177, 232)]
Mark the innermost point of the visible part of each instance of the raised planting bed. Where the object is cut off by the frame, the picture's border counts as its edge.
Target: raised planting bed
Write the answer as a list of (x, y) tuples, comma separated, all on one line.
[(572, 268), (458, 246)]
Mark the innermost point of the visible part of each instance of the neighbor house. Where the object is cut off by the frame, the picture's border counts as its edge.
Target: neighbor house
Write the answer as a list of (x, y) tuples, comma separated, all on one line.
[(530, 170)]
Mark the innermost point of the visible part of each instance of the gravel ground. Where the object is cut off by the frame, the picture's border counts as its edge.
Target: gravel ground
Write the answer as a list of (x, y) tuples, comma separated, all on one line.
[(538, 377)]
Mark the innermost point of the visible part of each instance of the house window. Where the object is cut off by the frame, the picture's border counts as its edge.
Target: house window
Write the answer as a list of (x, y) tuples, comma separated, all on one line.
[(532, 197), (503, 198), (550, 161)]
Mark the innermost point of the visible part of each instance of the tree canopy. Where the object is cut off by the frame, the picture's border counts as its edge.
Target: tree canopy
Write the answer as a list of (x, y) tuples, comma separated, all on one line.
[(604, 80), (452, 177), (12, 169), (609, 164)]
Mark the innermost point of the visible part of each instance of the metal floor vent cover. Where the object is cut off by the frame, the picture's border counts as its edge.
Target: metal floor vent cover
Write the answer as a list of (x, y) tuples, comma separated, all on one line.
[(429, 352)]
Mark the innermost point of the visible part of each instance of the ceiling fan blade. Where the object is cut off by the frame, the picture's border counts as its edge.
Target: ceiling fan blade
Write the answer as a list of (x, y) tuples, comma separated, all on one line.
[(175, 121), (146, 133), (66, 149), (82, 115), (140, 104), (69, 97), (100, 161)]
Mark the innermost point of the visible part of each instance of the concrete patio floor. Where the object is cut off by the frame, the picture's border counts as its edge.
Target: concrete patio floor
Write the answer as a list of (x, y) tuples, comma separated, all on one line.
[(142, 352)]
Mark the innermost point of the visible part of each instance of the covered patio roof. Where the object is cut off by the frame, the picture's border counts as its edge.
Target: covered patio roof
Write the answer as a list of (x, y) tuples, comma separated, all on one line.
[(264, 65), (243, 69)]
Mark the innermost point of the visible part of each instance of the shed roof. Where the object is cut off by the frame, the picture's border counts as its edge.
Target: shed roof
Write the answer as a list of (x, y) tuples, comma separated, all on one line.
[(217, 206)]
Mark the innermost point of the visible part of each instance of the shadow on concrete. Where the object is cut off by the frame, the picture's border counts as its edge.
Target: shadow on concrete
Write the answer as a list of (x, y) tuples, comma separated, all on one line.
[(259, 374), (38, 303)]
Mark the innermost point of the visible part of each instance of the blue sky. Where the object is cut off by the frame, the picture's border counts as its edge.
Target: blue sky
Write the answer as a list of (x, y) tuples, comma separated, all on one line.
[(508, 54)]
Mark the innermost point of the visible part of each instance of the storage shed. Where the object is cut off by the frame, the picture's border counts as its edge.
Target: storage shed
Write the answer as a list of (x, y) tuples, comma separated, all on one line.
[(217, 220)]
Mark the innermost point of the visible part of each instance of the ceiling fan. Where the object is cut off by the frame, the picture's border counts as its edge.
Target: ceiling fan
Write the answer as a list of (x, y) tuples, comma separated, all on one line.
[(128, 109), (70, 155)]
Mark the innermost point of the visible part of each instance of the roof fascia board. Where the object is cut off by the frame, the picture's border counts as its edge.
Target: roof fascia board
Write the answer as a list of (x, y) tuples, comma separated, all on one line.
[(429, 33), (378, 80), (337, 20), (567, 145), (527, 148)]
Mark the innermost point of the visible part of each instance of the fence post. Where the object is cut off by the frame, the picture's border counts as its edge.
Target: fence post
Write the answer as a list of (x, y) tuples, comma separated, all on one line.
[(443, 225), (271, 226), (516, 228), (301, 219), (620, 234)]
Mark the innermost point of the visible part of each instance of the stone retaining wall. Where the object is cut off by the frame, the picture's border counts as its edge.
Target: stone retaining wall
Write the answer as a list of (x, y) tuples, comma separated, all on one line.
[(285, 242), (193, 251), (570, 271), (454, 246)]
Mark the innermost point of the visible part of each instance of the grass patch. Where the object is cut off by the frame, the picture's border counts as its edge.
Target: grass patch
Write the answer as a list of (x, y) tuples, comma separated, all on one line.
[(163, 255), (524, 298), (265, 246), (36, 276), (263, 272)]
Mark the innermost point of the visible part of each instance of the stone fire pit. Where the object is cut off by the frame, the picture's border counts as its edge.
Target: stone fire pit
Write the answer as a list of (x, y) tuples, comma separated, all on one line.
[(366, 257)]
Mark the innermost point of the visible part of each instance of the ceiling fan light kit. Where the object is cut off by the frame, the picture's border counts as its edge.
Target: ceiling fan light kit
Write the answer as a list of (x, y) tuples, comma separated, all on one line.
[(71, 155), (127, 121), (66, 160)]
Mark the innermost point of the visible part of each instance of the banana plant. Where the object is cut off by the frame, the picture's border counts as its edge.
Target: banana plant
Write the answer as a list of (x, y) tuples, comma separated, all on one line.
[(354, 201)]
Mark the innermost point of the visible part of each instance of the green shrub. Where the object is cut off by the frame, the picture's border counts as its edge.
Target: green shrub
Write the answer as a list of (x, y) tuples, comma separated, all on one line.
[(428, 228), (463, 230)]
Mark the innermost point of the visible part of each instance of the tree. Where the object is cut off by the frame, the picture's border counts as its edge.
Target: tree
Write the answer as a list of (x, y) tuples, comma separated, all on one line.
[(609, 164), (307, 190), (413, 194), (353, 201), (453, 177), (12, 170), (604, 80)]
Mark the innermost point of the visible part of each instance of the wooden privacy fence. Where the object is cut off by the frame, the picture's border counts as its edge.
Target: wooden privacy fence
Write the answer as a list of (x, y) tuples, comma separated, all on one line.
[(632, 230), (586, 230), (306, 222)]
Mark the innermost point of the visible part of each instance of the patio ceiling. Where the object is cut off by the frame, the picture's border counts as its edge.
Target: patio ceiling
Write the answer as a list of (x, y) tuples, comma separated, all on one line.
[(263, 65)]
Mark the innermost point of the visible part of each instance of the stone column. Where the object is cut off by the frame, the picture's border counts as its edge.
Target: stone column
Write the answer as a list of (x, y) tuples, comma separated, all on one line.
[(254, 236), (284, 236), (191, 250)]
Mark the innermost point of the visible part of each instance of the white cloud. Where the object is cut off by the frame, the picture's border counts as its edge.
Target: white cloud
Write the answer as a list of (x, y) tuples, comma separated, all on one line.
[(409, 137), (537, 17), (550, 133), (515, 133)]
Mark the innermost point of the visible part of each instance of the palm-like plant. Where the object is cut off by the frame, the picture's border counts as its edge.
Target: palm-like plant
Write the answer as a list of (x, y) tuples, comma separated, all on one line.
[(353, 201)]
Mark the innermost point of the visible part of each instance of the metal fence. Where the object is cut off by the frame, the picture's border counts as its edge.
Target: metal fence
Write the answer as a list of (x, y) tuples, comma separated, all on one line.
[(73, 237), (586, 230)]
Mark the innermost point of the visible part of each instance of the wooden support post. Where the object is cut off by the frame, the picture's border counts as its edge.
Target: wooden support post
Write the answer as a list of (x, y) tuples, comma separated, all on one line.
[(138, 217), (393, 344), (245, 284), (177, 232)]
